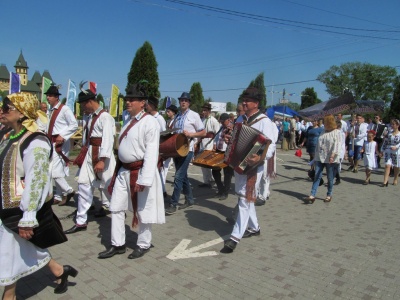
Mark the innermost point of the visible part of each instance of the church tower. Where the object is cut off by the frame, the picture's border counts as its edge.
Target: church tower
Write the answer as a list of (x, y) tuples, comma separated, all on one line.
[(21, 67)]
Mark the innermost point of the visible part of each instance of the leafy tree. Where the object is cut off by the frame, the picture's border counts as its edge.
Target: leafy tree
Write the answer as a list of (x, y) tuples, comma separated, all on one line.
[(230, 106), (196, 97), (309, 98), (3, 94), (144, 67), (394, 111), (259, 84), (365, 81)]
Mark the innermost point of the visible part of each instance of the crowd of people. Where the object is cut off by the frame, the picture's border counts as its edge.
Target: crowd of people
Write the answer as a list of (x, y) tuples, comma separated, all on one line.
[(331, 141), (37, 136), (34, 153)]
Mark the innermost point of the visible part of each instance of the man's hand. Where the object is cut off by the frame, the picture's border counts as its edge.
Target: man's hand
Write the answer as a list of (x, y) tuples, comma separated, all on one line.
[(99, 167), (139, 188), (253, 159), (59, 140), (26, 232)]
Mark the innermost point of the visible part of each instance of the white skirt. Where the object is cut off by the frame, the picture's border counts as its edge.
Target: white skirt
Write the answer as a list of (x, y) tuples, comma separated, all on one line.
[(18, 257)]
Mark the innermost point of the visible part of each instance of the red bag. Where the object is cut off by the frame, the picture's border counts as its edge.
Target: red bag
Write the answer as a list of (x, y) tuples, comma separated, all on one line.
[(298, 153)]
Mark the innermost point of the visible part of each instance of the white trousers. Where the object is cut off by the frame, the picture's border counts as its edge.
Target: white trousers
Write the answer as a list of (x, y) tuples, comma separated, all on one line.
[(118, 231), (246, 218), (264, 189), (62, 188), (164, 172), (85, 200), (207, 175)]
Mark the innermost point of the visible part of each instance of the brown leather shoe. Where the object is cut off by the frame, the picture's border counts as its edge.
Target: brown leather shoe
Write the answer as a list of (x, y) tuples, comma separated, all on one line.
[(66, 199)]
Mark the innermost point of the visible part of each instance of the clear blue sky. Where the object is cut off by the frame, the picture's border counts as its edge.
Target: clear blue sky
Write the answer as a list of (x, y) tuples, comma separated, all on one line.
[(223, 44)]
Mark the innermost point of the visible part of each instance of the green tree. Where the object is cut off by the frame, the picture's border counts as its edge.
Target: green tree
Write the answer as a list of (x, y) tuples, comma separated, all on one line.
[(144, 67), (394, 110), (3, 94), (196, 97), (309, 98), (230, 106), (258, 82), (365, 81)]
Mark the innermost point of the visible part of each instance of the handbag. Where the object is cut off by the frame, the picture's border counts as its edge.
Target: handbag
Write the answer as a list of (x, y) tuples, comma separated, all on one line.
[(298, 153), (48, 233)]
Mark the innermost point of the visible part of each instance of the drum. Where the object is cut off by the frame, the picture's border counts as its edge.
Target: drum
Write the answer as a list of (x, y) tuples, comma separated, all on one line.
[(174, 145), (210, 159)]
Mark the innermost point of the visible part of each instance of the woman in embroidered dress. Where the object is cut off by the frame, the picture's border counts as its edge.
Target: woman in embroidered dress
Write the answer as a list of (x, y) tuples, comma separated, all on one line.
[(390, 149), (327, 154), (28, 178)]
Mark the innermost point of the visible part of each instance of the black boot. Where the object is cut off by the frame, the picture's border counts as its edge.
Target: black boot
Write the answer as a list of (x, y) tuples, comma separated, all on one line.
[(62, 287)]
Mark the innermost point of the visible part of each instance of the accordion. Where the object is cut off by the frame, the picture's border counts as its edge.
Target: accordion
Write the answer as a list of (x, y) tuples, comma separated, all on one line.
[(245, 142)]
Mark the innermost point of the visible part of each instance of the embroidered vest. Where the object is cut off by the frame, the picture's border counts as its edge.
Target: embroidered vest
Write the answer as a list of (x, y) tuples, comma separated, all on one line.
[(12, 172)]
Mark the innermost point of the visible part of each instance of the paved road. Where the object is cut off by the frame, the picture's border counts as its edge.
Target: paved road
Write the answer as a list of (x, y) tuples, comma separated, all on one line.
[(347, 249)]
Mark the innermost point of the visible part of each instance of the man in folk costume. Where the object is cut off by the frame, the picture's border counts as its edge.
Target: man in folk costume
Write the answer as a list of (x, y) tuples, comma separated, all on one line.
[(269, 166), (211, 125), (189, 123), (136, 184), (171, 112), (62, 125), (247, 186), (152, 109), (220, 146), (359, 136), (97, 160)]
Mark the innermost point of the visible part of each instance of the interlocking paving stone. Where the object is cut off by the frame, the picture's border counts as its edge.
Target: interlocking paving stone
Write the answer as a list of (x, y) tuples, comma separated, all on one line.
[(347, 249)]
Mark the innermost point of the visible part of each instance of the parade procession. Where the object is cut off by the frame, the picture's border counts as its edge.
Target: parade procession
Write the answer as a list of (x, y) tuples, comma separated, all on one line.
[(165, 149)]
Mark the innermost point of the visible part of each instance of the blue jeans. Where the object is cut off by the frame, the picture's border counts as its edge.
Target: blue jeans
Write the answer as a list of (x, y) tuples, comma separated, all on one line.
[(181, 179), (331, 170)]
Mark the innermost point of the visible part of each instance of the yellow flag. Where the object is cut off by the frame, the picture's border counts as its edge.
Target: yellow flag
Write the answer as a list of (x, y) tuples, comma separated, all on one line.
[(114, 100), (120, 106)]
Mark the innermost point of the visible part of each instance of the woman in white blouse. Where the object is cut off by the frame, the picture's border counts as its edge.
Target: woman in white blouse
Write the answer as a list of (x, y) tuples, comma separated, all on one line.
[(327, 155)]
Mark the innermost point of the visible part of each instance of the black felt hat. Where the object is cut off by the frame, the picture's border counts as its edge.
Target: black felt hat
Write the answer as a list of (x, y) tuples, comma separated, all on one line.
[(252, 94), (185, 95), (173, 108), (136, 90), (207, 106), (53, 90), (86, 95), (153, 100)]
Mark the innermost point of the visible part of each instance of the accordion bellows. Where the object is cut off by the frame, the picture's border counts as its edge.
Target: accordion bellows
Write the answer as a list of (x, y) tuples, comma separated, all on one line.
[(245, 142)]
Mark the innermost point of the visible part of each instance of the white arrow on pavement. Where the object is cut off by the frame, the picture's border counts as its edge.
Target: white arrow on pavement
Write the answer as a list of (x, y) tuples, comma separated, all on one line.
[(182, 251)]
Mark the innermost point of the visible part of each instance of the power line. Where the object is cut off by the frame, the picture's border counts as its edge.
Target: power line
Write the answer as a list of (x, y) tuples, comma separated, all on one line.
[(285, 22)]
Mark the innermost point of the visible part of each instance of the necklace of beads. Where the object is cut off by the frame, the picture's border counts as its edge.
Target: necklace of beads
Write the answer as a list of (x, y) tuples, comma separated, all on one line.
[(12, 137)]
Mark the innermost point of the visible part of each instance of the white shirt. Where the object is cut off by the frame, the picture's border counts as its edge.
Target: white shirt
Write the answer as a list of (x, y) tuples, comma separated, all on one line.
[(211, 125), (65, 124), (191, 123), (161, 121)]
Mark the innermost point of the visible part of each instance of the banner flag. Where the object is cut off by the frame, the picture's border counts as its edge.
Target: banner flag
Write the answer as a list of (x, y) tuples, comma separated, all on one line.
[(71, 94), (77, 109), (168, 102), (15, 83), (114, 100), (46, 83), (93, 87), (120, 106)]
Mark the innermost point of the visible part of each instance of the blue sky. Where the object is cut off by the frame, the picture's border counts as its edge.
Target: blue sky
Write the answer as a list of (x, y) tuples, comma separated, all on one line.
[(223, 44)]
